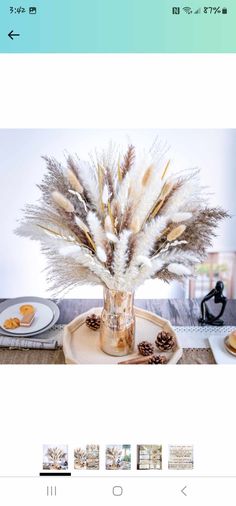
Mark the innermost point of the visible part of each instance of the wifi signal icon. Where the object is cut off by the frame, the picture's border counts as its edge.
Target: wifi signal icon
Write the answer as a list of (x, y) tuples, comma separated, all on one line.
[(188, 10)]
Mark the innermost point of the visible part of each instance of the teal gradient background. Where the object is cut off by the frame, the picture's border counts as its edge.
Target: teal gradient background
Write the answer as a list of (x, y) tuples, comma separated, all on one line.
[(117, 26)]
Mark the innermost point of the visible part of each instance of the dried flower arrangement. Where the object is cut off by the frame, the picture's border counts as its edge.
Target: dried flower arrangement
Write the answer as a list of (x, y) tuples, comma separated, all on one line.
[(116, 221), (56, 458)]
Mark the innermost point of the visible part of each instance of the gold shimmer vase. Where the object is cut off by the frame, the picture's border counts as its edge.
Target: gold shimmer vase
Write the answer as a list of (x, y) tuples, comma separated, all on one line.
[(117, 331)]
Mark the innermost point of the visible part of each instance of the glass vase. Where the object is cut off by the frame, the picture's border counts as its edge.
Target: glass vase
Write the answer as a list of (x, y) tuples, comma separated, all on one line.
[(117, 331)]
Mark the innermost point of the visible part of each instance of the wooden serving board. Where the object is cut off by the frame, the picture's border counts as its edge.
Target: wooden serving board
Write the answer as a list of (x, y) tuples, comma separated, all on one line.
[(81, 345)]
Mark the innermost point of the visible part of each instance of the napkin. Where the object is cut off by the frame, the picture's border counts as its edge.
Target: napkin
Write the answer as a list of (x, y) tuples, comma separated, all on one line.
[(51, 340), (15, 342)]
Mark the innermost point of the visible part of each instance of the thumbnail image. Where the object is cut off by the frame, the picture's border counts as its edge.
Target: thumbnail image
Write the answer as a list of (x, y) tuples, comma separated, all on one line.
[(55, 458), (149, 457), (87, 458), (118, 457), (180, 458)]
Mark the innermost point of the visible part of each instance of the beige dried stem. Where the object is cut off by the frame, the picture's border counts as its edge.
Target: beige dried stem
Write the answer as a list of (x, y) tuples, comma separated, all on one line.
[(100, 185)]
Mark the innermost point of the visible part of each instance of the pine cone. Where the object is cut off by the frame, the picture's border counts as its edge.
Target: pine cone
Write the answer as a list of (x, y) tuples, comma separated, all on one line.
[(145, 348), (93, 321), (165, 341), (157, 359)]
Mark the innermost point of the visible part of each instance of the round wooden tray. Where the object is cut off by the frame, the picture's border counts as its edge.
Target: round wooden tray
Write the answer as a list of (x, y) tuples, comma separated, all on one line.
[(81, 345)]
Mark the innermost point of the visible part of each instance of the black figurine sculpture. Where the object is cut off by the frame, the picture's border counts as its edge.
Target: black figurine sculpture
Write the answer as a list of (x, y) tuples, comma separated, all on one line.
[(207, 317)]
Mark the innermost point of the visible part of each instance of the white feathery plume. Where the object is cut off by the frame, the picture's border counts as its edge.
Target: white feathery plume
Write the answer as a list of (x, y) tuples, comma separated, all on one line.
[(151, 232), (147, 201), (85, 277), (145, 242), (123, 192), (186, 197), (70, 250), (146, 272), (33, 231), (102, 273), (112, 237), (89, 180), (62, 279), (179, 256), (142, 162), (178, 201), (96, 229), (181, 216), (143, 260), (49, 238), (108, 224), (95, 266), (62, 202), (98, 234), (147, 195), (145, 169), (101, 254), (88, 260), (178, 269), (107, 158), (120, 255), (105, 195), (136, 175), (157, 265)]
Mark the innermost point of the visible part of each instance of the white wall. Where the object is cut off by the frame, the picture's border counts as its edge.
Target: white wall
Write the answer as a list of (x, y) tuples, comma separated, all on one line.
[(21, 168)]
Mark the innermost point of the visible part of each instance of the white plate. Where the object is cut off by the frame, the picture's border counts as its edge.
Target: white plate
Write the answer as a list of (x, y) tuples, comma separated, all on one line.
[(43, 317), (221, 355), (33, 300)]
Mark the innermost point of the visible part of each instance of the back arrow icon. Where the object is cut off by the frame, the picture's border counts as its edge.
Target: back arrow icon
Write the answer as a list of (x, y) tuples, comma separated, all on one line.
[(12, 35), (183, 491)]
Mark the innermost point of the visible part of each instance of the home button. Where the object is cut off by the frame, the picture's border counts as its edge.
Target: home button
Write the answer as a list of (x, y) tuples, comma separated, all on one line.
[(117, 491)]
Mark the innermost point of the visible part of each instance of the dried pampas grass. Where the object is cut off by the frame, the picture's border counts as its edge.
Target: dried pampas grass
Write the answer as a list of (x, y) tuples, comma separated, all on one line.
[(118, 221)]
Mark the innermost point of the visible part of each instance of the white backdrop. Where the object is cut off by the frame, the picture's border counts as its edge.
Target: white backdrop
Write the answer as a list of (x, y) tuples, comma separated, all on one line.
[(21, 168)]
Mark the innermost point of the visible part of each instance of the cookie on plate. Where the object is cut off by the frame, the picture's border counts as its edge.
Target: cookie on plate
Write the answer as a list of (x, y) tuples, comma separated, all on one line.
[(11, 323)]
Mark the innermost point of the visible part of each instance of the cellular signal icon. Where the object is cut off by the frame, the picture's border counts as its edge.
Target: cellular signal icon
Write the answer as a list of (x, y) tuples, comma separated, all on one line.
[(198, 11), (188, 10)]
